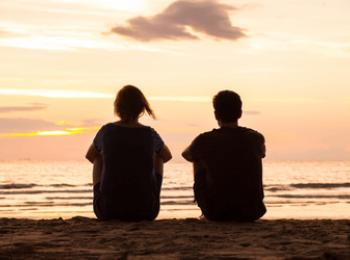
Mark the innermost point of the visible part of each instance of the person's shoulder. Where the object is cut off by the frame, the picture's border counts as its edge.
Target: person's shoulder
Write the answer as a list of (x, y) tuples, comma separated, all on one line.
[(107, 126), (251, 132), (102, 131), (209, 133), (152, 131), (205, 136)]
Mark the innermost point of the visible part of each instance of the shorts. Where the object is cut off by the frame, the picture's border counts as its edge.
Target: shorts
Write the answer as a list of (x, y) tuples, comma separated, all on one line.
[(105, 210)]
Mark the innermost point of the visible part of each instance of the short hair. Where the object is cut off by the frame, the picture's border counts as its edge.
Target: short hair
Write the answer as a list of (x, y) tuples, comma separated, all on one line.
[(130, 103), (228, 106)]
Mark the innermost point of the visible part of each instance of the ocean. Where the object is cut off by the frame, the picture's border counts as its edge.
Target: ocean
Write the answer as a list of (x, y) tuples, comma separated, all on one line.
[(293, 189)]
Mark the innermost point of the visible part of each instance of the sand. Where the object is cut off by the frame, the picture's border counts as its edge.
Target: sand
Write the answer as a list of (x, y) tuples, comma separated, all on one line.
[(185, 239)]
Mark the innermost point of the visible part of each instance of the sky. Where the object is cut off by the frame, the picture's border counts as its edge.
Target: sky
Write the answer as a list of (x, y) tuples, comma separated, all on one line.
[(63, 61)]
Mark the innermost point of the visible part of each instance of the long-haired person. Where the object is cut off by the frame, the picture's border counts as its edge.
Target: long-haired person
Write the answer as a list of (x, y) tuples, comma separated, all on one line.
[(128, 160)]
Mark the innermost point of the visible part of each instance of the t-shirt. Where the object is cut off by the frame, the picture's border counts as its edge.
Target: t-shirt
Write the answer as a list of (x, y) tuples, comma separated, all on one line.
[(234, 168), (128, 178)]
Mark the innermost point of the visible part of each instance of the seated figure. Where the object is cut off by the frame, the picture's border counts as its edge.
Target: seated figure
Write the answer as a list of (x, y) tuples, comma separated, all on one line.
[(228, 165), (128, 160)]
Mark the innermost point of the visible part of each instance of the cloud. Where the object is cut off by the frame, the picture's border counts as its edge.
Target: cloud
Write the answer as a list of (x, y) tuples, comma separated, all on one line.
[(35, 106), (92, 122), (9, 33), (4, 34), (82, 94), (24, 125), (182, 99), (251, 112), (55, 93), (207, 16)]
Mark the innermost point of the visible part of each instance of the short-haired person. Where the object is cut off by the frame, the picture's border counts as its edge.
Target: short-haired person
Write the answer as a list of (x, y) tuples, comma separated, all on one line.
[(128, 160), (228, 166)]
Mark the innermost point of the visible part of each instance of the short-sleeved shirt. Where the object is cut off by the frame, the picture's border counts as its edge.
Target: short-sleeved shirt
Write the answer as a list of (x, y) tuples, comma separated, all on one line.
[(234, 167), (128, 179)]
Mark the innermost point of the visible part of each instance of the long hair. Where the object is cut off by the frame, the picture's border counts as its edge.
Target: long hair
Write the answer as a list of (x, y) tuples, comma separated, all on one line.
[(130, 103)]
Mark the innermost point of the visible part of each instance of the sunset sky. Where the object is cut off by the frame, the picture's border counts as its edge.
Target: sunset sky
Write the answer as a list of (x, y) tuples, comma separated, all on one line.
[(63, 61)]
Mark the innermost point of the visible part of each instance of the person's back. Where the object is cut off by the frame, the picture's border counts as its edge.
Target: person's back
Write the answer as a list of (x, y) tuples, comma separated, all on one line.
[(128, 160), (128, 179), (228, 167)]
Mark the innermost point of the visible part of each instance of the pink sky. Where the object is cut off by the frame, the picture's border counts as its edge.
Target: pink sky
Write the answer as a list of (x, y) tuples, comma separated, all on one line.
[(63, 62)]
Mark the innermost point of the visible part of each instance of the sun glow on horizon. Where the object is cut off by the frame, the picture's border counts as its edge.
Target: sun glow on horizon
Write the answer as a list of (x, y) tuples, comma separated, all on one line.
[(85, 130), (67, 131), (53, 133)]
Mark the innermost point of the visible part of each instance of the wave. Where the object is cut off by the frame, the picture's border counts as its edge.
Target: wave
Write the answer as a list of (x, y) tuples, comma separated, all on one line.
[(178, 188), (320, 185), (31, 204), (178, 197), (91, 197), (17, 186), (62, 185), (18, 192), (285, 187), (180, 202), (34, 204), (32, 185), (43, 191), (267, 187), (331, 196)]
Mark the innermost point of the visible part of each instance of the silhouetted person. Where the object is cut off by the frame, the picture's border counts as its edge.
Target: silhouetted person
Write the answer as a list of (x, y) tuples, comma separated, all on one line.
[(128, 160), (227, 165)]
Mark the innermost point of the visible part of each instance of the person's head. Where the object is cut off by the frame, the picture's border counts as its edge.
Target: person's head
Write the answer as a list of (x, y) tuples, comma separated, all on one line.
[(228, 106), (130, 104)]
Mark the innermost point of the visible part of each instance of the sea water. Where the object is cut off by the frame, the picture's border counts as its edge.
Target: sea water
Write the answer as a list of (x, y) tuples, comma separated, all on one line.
[(293, 189)]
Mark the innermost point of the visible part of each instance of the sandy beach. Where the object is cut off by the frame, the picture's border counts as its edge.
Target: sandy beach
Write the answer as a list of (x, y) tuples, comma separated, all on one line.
[(186, 239)]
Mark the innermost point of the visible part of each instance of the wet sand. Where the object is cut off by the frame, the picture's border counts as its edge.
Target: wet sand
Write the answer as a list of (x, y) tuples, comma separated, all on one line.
[(185, 239)]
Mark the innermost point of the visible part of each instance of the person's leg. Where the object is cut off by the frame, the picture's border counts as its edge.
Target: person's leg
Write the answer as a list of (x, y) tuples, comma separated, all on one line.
[(99, 205), (158, 170), (97, 169), (198, 167), (200, 187)]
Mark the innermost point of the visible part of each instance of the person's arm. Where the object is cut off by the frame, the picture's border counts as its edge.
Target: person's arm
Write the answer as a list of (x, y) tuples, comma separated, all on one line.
[(263, 147), (187, 154), (263, 152), (92, 153), (165, 153)]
